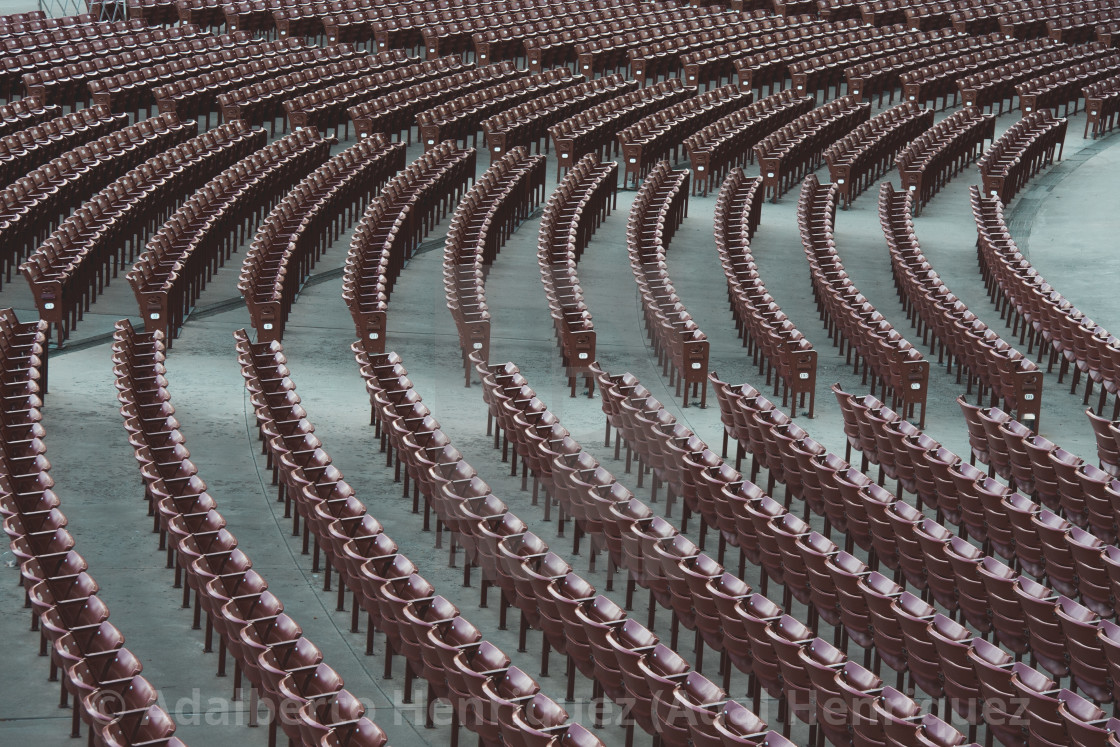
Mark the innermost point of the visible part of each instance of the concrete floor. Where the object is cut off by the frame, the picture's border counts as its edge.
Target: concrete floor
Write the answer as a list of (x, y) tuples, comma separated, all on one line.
[(1065, 228)]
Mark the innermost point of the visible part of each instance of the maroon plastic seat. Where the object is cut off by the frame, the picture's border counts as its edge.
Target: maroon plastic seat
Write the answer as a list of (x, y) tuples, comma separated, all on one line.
[(900, 717), (993, 669), (1087, 661), (1040, 693), (1086, 724)]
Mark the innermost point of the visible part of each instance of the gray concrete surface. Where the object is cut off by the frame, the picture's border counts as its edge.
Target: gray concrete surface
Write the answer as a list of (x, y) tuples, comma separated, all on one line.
[(1068, 232)]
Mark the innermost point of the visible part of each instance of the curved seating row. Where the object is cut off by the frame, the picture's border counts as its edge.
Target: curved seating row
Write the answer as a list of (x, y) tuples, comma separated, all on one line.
[(401, 25), (327, 107), (23, 113), (202, 13), (897, 366), (264, 101), (199, 238), (605, 53), (1061, 481), (941, 656), (985, 88), (1027, 147), (66, 83), (980, 353), (502, 42), (729, 142), (883, 75), (452, 31), (659, 135), (1081, 27), (933, 158), (198, 95), (488, 214), (681, 346), (1061, 87), (655, 46), (561, 47), (117, 703), (858, 159), (397, 110), (938, 80), (103, 47), (1102, 105), (76, 261), (35, 204), (797, 148), (825, 72), (783, 656), (306, 221), (306, 697), (29, 148), (768, 334), (572, 213), (461, 117), (770, 66), (436, 640), (528, 123), (358, 21), (134, 89), (391, 229), (1067, 637), (594, 130), (1046, 317), (662, 58)]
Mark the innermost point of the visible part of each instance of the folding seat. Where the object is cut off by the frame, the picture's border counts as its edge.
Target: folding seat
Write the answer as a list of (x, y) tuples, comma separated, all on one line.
[(1093, 580), (479, 666), (827, 467), (787, 636), (899, 715), (1108, 451), (787, 529), (737, 725), (1087, 662), (311, 688), (697, 703), (972, 514), (599, 617), (851, 484), (761, 512), (119, 700), (1086, 724), (1047, 639), (1098, 487), (821, 662), (151, 727), (940, 574), (962, 688), (1027, 551), (879, 595), (757, 613), (994, 670), (1014, 434), (361, 733), (566, 594), (631, 642), (914, 617), (934, 732), (91, 673), (1038, 449), (1053, 531), (904, 520), (977, 435)]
